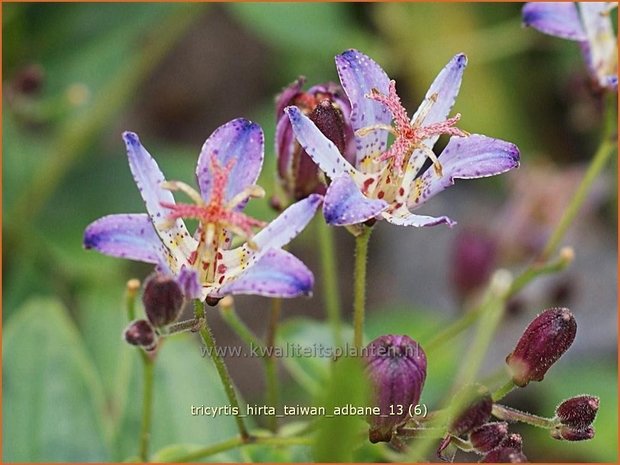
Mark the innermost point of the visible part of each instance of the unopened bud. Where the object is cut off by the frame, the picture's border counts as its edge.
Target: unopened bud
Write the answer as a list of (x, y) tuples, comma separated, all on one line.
[(476, 403), (488, 436), (396, 367), (141, 333), (578, 412), (329, 109), (513, 441), (572, 434), (163, 300), (543, 342)]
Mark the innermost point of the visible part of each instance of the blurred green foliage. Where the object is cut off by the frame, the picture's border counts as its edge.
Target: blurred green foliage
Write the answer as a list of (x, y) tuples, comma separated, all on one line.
[(70, 385)]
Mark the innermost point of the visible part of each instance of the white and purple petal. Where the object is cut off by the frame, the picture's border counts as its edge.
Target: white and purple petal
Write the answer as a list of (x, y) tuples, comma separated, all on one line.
[(129, 236), (560, 19), (189, 282), (149, 178), (317, 146), (441, 95), (601, 51), (275, 235), (359, 75), (239, 143), (276, 274), (405, 218), (345, 204), (469, 157)]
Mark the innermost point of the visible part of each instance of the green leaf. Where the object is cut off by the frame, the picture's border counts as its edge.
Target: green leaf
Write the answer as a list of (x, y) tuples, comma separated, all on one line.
[(52, 398), (182, 379), (338, 435)]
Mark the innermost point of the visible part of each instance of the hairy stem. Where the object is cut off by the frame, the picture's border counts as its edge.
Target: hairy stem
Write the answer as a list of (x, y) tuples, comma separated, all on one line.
[(359, 289), (329, 275), (503, 391), (510, 414), (271, 366), (207, 337), (147, 406)]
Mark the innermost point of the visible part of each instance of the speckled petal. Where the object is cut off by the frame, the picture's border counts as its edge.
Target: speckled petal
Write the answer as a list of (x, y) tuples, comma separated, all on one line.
[(418, 221), (129, 236), (275, 235), (601, 51), (359, 74), (441, 95), (189, 282), (559, 19), (276, 274), (320, 148), (345, 204), (238, 140), (469, 157), (148, 178)]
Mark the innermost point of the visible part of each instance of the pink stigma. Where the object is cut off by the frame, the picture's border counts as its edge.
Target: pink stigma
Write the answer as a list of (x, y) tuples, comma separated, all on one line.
[(409, 135), (216, 211)]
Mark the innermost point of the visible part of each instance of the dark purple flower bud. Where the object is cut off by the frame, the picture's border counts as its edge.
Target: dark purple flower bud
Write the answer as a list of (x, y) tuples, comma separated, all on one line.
[(28, 80), (327, 106), (543, 342), (572, 434), (396, 367), (513, 441), (476, 409), (473, 260), (488, 436), (141, 333), (162, 299), (504, 455), (578, 412)]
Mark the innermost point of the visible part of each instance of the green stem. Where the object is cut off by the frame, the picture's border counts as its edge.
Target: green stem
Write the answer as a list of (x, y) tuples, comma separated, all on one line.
[(271, 366), (359, 289), (131, 291), (207, 337), (492, 312), (329, 277), (238, 442), (503, 391), (600, 159), (510, 414), (147, 406)]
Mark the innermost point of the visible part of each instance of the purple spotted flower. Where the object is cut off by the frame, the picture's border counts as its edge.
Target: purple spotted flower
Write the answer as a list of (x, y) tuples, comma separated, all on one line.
[(204, 263), (390, 182), (588, 23), (327, 106)]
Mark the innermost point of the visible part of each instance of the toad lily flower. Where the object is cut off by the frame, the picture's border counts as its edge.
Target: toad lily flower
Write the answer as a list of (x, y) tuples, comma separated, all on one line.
[(590, 25), (204, 264), (390, 182)]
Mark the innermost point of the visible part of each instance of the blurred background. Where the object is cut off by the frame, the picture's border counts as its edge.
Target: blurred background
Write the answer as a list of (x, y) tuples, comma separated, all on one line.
[(76, 75)]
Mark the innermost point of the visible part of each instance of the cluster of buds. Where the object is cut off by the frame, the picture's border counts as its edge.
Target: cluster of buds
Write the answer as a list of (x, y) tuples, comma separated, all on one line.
[(574, 418), (163, 301), (490, 439), (329, 109), (396, 367)]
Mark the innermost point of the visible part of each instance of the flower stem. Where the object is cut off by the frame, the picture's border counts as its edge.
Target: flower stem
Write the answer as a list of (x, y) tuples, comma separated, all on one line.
[(238, 442), (207, 337), (132, 288), (503, 391), (271, 366), (329, 277), (606, 148), (359, 289), (510, 414), (600, 159), (147, 405)]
